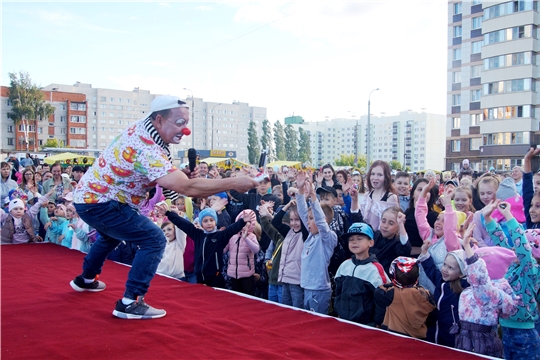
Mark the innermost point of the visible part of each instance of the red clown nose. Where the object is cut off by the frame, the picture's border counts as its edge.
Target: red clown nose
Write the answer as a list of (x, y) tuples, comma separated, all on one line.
[(186, 131)]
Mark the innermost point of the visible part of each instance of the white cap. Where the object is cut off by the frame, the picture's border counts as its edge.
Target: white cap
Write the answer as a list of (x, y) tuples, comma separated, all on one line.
[(16, 203), (166, 102)]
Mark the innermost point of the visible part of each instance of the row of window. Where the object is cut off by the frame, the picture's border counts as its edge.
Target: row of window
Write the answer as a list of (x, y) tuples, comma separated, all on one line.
[(476, 24), (458, 7), (507, 138), (476, 71), (522, 58), (509, 112), (112, 99), (476, 94), (475, 120), (518, 32), (509, 8), (474, 144), (508, 86)]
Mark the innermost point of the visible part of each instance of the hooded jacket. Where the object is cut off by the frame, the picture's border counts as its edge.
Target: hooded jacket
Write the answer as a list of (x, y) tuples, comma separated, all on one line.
[(356, 281), (208, 246), (241, 252), (407, 309)]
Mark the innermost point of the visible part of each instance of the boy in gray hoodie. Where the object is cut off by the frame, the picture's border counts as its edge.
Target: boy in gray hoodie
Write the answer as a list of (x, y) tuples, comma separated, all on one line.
[(318, 248)]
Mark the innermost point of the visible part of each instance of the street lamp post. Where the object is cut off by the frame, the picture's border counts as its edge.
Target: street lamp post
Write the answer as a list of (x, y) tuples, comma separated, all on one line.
[(369, 128), (212, 111), (192, 118)]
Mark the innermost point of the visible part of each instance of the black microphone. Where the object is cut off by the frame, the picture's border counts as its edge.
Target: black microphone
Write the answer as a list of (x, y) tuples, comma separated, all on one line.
[(192, 157)]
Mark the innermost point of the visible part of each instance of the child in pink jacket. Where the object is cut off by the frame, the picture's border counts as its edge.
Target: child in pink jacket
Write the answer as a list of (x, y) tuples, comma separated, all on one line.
[(242, 247), (444, 237)]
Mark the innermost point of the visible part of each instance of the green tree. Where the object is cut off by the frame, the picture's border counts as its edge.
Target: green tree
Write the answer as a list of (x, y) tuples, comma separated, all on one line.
[(266, 139), (28, 105), (279, 141), (254, 150), (291, 143), (52, 143), (304, 151), (348, 160), (395, 165)]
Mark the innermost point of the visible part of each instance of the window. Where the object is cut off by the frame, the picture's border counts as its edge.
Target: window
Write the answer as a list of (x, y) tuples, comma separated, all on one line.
[(456, 77), (112, 99), (456, 123), (476, 71), (103, 98), (119, 107), (63, 107), (456, 145), (103, 113), (111, 114), (111, 107), (62, 119), (475, 95), (457, 8), (10, 128), (457, 31), (119, 99), (475, 143), (476, 47), (477, 22), (476, 119), (78, 119), (10, 141), (456, 100), (77, 130), (78, 106), (456, 54)]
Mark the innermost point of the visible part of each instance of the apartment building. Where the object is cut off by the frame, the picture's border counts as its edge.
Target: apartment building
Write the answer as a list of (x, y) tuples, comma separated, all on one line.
[(214, 125), (492, 115), (411, 138), (67, 124)]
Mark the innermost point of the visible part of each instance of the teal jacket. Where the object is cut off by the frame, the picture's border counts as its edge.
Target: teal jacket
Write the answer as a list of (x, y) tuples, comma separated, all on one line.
[(523, 276)]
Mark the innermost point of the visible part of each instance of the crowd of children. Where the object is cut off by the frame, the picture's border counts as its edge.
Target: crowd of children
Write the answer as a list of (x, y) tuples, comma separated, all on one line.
[(450, 260)]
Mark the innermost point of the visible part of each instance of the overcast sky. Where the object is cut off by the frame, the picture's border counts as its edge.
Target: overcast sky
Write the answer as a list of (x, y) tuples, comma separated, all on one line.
[(317, 59)]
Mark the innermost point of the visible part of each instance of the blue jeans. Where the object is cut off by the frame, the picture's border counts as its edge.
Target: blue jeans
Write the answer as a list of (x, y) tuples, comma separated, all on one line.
[(274, 293), (189, 277), (293, 295), (117, 222), (317, 300), (520, 343)]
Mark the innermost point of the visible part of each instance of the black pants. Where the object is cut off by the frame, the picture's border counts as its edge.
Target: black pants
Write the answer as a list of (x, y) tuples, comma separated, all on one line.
[(244, 285)]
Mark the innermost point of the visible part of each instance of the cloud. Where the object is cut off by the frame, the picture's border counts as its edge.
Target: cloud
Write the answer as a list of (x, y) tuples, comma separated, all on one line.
[(63, 18)]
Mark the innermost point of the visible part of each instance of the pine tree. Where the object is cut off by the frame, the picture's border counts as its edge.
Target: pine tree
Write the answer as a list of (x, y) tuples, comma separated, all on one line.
[(28, 104), (266, 139), (279, 141), (304, 151), (254, 150), (291, 143)]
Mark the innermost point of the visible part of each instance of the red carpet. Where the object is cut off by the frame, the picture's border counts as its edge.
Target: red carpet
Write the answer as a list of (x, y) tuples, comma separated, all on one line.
[(43, 318)]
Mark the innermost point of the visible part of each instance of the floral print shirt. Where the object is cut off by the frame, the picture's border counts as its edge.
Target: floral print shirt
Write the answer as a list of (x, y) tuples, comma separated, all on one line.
[(125, 170)]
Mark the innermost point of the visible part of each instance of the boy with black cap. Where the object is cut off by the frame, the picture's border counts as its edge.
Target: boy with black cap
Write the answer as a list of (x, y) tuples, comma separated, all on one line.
[(358, 277)]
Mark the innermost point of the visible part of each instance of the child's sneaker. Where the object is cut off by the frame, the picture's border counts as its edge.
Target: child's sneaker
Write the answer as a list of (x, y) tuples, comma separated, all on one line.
[(137, 310), (78, 284)]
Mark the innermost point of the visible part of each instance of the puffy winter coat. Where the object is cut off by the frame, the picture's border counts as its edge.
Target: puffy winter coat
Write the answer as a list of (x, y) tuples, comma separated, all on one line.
[(241, 251)]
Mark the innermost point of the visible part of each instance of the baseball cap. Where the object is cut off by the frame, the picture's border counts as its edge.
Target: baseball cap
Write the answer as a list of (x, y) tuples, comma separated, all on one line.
[(451, 182), (327, 189), (77, 168), (166, 102), (358, 229)]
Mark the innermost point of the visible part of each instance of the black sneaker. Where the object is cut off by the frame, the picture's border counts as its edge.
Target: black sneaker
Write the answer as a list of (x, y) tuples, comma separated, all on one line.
[(137, 310), (79, 285)]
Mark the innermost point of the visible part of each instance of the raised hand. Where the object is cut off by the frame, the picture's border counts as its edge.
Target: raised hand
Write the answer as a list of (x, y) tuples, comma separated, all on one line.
[(425, 246), (300, 181), (489, 209)]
